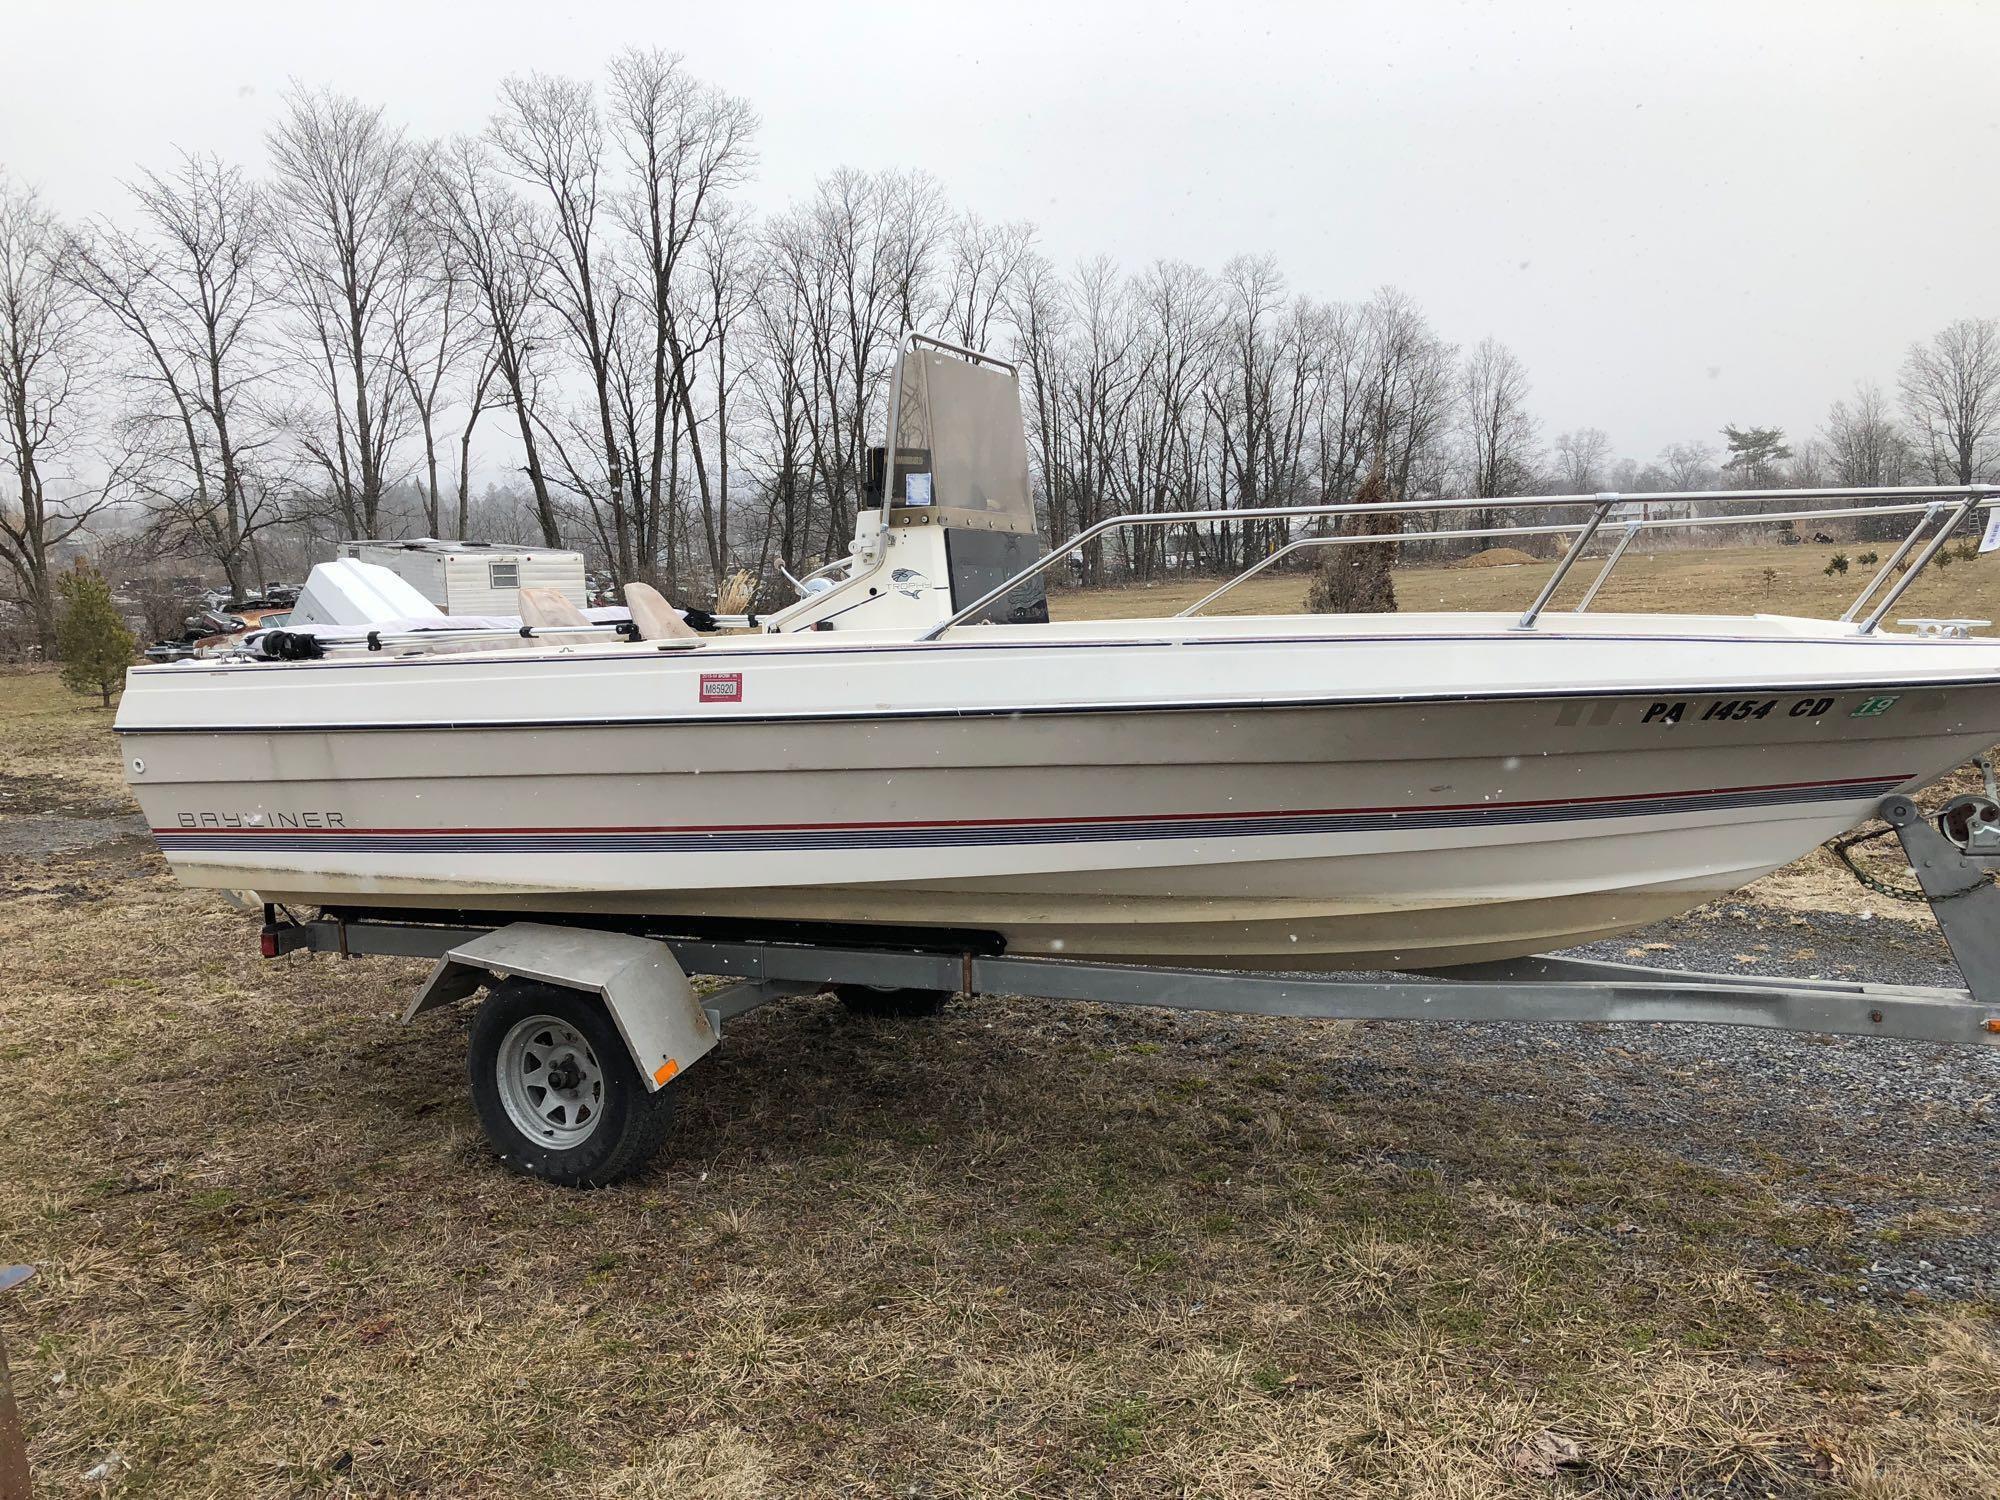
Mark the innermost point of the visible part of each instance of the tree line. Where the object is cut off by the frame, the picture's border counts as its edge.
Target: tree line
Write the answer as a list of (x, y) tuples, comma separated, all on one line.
[(241, 367)]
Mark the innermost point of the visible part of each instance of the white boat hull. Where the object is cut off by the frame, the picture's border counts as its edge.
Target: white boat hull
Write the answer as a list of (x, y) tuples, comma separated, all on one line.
[(1264, 793)]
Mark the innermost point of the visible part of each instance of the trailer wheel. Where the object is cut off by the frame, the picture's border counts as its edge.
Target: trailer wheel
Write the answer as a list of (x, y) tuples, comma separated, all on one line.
[(555, 1088), (868, 1000)]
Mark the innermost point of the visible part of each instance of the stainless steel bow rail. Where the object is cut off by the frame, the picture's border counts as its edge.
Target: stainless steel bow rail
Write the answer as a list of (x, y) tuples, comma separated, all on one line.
[(1926, 502), (650, 1023)]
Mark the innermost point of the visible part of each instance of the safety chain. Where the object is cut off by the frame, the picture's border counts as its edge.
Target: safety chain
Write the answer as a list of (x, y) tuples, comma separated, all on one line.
[(1843, 850), (1843, 847)]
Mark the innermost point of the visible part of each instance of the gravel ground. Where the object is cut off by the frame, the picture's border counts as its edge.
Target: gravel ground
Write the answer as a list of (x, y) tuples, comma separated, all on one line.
[(1899, 1138), (1856, 1116), (36, 834)]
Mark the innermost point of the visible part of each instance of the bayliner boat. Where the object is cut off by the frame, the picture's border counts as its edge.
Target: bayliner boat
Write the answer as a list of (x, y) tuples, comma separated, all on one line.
[(914, 746)]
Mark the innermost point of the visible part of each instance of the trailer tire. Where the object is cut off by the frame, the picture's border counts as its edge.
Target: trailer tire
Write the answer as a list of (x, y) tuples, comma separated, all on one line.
[(903, 1004), (555, 1089)]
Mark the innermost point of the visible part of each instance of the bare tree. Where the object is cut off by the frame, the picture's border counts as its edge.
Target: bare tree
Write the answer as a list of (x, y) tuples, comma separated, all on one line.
[(730, 286), (1342, 434), (48, 370), (686, 144), (1863, 443), (1495, 424), (1165, 465), (490, 233), (984, 261), (442, 354), (1409, 388), (1951, 393), (1582, 458), (1040, 312), (780, 365), (1254, 359), (189, 292), (1174, 390), (720, 281), (482, 399), (1688, 466), (1812, 466), (1104, 379), (860, 255), (344, 182), (549, 135)]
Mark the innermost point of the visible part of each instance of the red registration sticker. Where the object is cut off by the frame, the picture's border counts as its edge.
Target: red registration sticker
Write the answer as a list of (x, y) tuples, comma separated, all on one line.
[(722, 687)]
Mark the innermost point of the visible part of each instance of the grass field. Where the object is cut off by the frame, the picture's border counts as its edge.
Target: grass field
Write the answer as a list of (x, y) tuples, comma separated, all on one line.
[(1008, 1251)]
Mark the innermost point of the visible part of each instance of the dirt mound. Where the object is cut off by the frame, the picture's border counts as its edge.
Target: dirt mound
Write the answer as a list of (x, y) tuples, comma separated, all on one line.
[(1496, 557)]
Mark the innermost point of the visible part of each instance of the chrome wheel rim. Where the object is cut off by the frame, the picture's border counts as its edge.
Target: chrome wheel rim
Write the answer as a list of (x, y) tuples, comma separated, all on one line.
[(550, 1083)]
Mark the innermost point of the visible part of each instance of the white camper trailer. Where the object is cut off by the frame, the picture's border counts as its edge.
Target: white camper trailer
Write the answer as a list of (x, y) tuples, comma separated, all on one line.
[(476, 578)]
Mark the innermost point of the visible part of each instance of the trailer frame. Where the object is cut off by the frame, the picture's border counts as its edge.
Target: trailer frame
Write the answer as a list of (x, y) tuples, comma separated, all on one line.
[(641, 972)]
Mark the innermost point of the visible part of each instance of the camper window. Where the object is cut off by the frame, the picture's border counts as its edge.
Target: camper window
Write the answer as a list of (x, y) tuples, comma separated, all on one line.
[(503, 575)]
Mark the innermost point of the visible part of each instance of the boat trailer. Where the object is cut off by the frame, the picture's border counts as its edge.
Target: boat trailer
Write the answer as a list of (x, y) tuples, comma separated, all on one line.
[(588, 1026)]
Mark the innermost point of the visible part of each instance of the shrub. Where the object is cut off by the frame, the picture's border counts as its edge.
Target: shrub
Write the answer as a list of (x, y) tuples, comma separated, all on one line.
[(1838, 565), (1868, 559), (162, 610), (1355, 580)]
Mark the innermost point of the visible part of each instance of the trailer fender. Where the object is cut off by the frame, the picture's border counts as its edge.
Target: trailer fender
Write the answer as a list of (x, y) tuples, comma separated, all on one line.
[(642, 985)]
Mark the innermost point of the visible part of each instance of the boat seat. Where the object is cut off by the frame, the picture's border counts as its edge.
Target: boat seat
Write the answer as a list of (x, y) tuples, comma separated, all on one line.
[(550, 609), (657, 620)]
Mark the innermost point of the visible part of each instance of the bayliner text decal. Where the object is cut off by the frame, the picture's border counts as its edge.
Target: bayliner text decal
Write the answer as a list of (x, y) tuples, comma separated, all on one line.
[(262, 820)]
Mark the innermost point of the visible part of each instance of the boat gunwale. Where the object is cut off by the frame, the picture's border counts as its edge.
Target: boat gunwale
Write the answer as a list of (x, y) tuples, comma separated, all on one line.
[(1050, 637), (714, 718)]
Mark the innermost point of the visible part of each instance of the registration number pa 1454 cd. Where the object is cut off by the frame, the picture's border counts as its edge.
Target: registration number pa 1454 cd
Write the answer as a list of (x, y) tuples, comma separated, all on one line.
[(1678, 711)]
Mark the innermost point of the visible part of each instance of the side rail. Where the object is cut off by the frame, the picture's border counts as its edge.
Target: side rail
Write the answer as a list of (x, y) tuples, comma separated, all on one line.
[(1927, 502)]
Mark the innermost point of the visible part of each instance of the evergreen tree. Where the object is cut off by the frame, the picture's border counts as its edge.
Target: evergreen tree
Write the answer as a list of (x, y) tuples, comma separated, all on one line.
[(91, 635), (1754, 454)]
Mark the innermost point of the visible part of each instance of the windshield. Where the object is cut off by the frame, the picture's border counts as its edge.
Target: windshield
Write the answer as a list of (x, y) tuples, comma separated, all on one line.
[(961, 453)]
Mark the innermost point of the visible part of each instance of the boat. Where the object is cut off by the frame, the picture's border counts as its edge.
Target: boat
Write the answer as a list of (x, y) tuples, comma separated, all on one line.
[(915, 749)]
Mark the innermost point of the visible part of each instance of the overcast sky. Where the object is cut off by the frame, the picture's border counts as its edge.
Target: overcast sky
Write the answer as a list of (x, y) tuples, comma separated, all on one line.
[(1679, 215)]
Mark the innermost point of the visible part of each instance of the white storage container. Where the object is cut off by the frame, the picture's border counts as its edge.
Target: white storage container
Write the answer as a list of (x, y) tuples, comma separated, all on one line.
[(476, 578)]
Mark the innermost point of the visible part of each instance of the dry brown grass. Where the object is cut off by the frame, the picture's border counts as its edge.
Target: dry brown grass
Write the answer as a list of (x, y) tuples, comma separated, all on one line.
[(733, 595), (1497, 557), (1011, 1251)]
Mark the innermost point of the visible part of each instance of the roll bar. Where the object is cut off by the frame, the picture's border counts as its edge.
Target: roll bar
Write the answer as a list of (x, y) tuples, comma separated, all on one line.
[(977, 356)]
